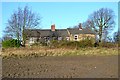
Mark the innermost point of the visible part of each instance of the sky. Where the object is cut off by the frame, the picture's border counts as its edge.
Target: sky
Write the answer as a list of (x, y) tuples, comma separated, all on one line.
[(62, 14)]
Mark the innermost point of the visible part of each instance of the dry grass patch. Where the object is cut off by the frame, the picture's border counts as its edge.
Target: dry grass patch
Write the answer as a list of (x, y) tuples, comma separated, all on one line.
[(45, 51)]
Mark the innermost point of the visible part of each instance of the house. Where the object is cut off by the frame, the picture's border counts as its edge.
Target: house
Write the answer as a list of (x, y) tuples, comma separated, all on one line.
[(69, 34)]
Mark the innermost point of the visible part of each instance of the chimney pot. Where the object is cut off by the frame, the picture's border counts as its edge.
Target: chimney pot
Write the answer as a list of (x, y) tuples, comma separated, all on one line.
[(53, 27), (80, 26)]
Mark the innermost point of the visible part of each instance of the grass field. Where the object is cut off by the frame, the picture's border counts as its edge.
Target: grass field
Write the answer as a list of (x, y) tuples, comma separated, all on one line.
[(45, 51)]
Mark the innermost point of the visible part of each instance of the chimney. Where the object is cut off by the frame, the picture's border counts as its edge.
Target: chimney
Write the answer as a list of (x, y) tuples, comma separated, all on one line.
[(80, 26), (53, 27)]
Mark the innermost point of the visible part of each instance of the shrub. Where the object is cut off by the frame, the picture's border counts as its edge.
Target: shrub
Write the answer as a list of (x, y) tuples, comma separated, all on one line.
[(54, 44), (87, 42), (73, 44), (10, 43), (108, 44), (43, 43), (36, 44)]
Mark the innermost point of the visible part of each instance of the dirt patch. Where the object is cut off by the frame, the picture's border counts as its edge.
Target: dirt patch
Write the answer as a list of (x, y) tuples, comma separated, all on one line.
[(61, 67)]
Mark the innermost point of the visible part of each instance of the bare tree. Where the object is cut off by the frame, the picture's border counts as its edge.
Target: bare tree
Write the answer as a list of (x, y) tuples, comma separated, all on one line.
[(101, 21), (116, 36), (6, 37), (20, 20)]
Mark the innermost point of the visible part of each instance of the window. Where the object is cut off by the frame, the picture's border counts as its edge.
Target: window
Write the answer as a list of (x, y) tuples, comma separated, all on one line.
[(68, 38), (59, 38), (31, 40), (75, 37)]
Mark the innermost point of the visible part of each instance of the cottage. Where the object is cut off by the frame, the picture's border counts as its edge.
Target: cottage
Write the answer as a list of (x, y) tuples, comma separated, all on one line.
[(69, 34)]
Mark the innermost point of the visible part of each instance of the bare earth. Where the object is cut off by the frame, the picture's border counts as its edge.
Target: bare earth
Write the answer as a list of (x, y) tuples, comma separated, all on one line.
[(61, 67)]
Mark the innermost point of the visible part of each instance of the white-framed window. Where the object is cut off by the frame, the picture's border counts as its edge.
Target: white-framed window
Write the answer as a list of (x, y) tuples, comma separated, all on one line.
[(76, 37), (59, 38), (67, 38), (31, 40)]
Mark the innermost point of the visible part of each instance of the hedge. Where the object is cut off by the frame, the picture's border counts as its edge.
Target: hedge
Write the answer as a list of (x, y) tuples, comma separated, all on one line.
[(10, 43), (73, 44)]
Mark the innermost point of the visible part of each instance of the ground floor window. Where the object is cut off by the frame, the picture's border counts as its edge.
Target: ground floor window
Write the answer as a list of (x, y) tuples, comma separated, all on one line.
[(67, 38), (31, 40), (59, 38), (75, 37)]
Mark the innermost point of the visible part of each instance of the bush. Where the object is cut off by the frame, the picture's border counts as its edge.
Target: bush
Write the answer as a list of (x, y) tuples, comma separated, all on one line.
[(68, 44), (10, 43), (39, 44), (73, 44), (54, 44), (87, 43), (108, 44)]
